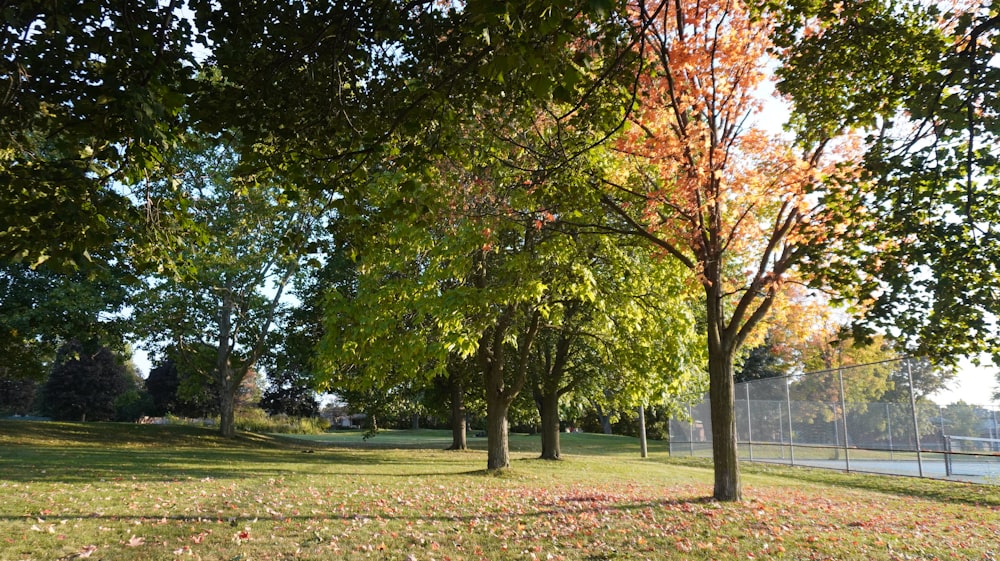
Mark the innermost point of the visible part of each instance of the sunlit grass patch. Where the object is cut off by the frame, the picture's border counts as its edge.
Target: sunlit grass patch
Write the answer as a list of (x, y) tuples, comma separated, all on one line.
[(124, 496)]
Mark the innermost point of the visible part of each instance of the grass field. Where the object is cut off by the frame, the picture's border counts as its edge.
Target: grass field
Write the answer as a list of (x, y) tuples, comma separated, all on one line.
[(104, 491)]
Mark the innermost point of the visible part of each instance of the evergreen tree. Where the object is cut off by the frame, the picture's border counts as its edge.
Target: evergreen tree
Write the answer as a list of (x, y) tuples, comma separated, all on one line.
[(84, 384), (290, 394), (17, 395), (760, 362), (162, 384)]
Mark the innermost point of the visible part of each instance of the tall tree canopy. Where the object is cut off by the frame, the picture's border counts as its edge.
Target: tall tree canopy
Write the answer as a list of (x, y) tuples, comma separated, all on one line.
[(248, 243), (923, 260), (93, 92), (473, 275), (635, 342), (712, 191)]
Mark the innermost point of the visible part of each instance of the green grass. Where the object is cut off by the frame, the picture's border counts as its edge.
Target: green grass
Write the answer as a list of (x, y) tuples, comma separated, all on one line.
[(571, 443), (105, 491)]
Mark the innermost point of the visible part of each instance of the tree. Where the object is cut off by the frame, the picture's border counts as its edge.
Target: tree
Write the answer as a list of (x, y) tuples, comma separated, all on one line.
[(470, 271), (291, 361), (161, 384), (710, 190), (17, 395), (134, 402), (93, 97), (862, 370), (555, 371), (86, 380), (761, 362), (450, 393), (40, 309), (928, 378), (511, 131), (408, 317), (961, 419), (182, 384), (290, 393), (635, 340), (921, 260), (237, 263)]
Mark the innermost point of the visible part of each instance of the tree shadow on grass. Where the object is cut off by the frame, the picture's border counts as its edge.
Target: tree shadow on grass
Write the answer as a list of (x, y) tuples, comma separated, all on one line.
[(582, 505), (87, 465), (93, 463)]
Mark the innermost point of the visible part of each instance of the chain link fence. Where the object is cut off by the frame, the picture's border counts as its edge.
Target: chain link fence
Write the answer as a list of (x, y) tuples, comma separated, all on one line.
[(865, 418)]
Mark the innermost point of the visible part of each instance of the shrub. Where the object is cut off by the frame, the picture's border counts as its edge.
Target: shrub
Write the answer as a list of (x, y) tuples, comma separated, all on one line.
[(132, 405), (257, 420)]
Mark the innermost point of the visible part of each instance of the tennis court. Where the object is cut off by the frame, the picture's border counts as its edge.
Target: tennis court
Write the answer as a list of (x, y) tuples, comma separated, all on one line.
[(933, 465), (821, 420)]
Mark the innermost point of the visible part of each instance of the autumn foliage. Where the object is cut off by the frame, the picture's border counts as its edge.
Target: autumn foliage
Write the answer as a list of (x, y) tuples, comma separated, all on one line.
[(709, 187), (712, 181)]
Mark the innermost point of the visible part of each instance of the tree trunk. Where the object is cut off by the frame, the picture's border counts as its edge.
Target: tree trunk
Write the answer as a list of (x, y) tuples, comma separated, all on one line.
[(458, 427), (500, 392), (227, 418), (722, 346), (549, 411), (605, 420), (722, 394), (227, 406), (497, 445), (224, 368), (415, 421)]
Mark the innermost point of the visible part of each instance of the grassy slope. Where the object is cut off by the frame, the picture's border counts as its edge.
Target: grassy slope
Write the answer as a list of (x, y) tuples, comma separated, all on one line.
[(150, 492)]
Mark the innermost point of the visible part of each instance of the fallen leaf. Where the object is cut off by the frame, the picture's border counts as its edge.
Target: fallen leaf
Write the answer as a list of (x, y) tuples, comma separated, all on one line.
[(135, 542)]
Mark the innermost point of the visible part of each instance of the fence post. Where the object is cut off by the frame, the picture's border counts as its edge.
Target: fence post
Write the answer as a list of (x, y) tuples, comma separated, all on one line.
[(643, 451), (993, 415), (888, 421), (843, 416), (691, 429), (746, 387), (941, 416), (916, 425), (947, 456), (781, 434), (791, 435), (670, 435)]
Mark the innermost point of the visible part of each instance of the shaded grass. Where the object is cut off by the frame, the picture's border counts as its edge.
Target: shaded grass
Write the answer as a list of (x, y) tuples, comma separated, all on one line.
[(570, 443), (150, 492)]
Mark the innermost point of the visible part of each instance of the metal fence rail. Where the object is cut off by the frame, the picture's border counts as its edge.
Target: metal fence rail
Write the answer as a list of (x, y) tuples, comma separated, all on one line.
[(864, 418)]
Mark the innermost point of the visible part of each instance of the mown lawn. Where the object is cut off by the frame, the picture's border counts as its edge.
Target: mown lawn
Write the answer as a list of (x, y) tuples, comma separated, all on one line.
[(105, 491)]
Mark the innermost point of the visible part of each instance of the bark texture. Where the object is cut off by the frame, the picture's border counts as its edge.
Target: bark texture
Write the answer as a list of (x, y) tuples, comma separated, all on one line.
[(722, 346), (458, 413), (549, 411), (497, 447)]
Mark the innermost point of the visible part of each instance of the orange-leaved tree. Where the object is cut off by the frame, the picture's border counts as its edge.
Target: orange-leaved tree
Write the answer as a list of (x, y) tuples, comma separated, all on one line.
[(709, 188)]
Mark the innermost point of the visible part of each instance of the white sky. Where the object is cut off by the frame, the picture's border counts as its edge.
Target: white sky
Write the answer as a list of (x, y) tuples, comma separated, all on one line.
[(141, 360), (974, 385)]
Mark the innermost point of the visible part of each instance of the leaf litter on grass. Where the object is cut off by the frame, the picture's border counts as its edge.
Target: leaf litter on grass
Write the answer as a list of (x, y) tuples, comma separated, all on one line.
[(400, 505)]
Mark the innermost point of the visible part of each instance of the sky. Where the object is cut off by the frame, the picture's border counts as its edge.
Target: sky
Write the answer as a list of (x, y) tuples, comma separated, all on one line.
[(974, 385)]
